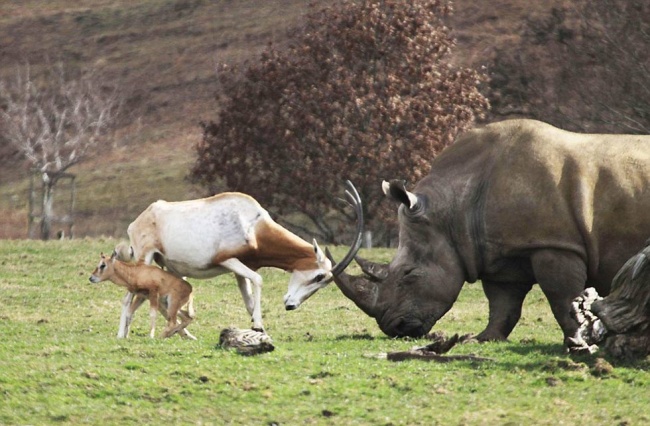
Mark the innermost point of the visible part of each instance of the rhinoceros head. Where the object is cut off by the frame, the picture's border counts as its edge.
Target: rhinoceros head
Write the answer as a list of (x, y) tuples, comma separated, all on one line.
[(423, 280)]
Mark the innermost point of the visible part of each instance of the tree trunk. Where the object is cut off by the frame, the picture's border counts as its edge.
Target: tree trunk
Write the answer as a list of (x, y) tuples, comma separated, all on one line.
[(48, 206)]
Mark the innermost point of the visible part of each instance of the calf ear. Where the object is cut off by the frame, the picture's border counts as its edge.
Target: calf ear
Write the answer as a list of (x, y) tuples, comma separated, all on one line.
[(395, 189)]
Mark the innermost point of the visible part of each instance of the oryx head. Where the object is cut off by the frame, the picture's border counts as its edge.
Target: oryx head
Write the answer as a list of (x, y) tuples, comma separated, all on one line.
[(309, 278)]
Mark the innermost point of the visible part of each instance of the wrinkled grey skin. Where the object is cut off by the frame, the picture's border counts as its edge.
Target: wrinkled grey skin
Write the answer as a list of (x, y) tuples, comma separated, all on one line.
[(512, 204)]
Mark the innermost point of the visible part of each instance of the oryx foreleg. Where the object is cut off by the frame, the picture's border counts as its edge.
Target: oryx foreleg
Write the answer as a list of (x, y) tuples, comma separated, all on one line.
[(125, 319), (246, 293), (243, 271), (135, 301)]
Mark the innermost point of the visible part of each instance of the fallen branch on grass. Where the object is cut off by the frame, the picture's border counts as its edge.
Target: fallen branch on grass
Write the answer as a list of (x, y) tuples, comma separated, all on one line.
[(434, 351)]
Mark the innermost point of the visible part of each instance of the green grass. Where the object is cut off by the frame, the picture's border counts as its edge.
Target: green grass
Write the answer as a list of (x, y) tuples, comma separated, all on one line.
[(60, 362)]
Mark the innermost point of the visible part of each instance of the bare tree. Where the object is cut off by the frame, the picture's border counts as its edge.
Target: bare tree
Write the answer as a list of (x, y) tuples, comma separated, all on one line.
[(55, 121), (584, 67)]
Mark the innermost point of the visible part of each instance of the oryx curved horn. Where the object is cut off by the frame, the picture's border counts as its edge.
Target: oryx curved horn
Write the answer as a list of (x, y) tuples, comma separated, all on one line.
[(355, 201)]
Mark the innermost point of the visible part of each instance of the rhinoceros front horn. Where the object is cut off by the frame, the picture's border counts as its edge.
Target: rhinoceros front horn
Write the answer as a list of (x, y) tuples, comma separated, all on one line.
[(359, 289)]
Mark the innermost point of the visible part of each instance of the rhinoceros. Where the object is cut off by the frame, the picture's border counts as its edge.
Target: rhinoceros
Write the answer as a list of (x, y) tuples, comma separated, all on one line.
[(513, 204)]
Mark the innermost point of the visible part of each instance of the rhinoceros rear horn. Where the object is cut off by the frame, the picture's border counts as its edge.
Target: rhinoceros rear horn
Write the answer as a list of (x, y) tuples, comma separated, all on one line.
[(359, 289), (376, 271)]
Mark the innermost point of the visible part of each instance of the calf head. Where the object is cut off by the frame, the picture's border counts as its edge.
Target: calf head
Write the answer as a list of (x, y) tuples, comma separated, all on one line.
[(421, 283), (104, 269)]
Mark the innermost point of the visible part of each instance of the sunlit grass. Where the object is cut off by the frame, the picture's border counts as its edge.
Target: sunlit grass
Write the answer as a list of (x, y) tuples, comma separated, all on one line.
[(60, 361)]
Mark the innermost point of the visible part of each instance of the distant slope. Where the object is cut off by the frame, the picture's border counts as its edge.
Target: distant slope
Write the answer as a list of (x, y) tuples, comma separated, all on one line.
[(162, 53)]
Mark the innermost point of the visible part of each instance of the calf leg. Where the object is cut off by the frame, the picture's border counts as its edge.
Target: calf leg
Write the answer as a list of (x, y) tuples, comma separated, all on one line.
[(562, 276), (190, 313), (165, 307), (505, 301), (173, 327), (174, 305), (186, 318), (242, 270)]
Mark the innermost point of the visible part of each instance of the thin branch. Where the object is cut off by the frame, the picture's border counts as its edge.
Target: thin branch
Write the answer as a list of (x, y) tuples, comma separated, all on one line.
[(55, 126)]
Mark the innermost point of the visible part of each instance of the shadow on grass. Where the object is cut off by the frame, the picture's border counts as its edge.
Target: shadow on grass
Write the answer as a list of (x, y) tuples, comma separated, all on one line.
[(364, 336), (557, 350), (537, 348)]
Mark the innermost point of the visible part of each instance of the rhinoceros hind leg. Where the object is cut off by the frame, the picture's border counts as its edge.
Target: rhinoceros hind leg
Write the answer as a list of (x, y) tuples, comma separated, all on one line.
[(562, 276), (505, 301)]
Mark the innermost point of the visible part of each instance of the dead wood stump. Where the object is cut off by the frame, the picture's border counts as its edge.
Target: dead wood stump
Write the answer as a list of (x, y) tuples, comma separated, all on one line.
[(624, 314)]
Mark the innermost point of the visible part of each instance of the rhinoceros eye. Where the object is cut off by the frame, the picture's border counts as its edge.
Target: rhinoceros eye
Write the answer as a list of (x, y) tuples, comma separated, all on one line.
[(417, 209)]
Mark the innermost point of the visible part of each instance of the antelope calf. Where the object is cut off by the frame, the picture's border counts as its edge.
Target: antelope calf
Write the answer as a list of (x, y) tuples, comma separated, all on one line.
[(166, 292)]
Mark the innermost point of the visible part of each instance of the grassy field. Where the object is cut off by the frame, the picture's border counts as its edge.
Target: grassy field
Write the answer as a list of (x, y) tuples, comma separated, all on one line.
[(60, 362)]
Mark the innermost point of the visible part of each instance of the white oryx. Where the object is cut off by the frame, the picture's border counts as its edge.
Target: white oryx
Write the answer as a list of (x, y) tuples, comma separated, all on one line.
[(231, 232)]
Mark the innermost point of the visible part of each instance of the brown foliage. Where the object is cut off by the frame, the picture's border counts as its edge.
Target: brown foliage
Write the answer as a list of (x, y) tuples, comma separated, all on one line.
[(586, 67), (363, 92)]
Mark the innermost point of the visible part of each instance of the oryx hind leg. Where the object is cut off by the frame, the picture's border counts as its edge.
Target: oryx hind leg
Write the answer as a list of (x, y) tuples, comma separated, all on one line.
[(190, 306), (153, 312), (130, 304)]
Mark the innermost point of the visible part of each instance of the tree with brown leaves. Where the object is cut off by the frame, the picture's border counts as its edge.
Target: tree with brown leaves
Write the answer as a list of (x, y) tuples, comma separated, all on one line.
[(364, 91)]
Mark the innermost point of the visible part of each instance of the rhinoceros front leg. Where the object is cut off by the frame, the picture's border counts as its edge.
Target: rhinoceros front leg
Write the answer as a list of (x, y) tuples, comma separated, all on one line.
[(505, 301), (562, 276)]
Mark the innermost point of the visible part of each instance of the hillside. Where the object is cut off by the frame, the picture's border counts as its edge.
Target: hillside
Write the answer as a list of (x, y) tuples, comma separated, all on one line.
[(162, 54)]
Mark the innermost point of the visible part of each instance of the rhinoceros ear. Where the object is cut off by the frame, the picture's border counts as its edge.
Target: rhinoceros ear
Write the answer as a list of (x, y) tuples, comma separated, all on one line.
[(395, 189)]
